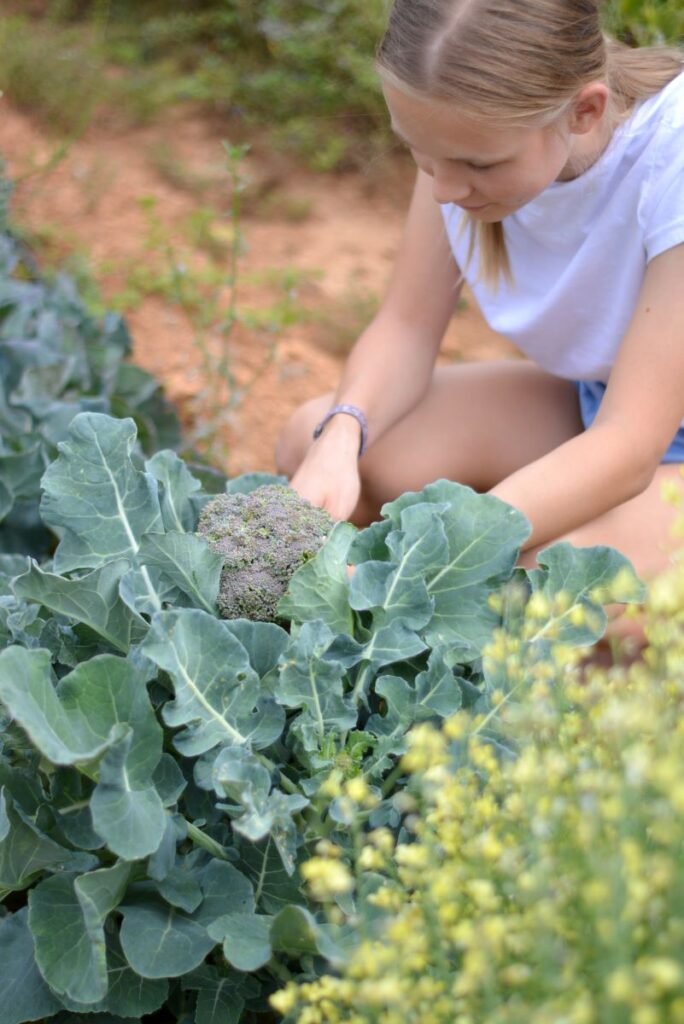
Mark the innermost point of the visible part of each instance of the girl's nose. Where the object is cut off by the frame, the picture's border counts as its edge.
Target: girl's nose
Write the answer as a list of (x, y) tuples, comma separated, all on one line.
[(449, 185)]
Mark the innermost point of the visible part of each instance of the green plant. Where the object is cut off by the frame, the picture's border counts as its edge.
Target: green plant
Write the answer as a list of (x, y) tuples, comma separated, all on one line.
[(58, 359), (52, 72), (537, 875), (161, 767), (644, 22), (264, 537), (260, 62), (207, 292)]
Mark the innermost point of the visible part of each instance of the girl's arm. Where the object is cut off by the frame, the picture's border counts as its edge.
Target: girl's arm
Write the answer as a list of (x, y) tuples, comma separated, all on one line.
[(390, 367), (616, 458)]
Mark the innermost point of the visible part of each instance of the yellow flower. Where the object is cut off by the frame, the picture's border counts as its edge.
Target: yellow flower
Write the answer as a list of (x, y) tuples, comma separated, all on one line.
[(285, 1000), (371, 860), (332, 786), (663, 972), (620, 986), (327, 878)]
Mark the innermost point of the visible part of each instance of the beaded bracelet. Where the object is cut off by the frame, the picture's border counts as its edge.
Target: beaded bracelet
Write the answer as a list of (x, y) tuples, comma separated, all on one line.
[(350, 410)]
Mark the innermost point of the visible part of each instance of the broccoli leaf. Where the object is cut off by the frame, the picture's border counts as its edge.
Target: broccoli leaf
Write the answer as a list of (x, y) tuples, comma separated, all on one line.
[(219, 698), (320, 589), (26, 996), (82, 904), (95, 494), (92, 599)]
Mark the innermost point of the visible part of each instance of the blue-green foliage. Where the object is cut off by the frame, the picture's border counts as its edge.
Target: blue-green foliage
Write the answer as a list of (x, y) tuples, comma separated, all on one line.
[(57, 360), (160, 766)]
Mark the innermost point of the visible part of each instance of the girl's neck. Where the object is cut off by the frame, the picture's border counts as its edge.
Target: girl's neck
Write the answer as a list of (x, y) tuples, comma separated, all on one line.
[(586, 149)]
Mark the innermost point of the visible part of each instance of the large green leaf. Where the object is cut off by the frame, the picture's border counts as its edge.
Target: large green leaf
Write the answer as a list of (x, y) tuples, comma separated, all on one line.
[(146, 590), (472, 549), (246, 939), (20, 472), (264, 642), (220, 996), (25, 851), (320, 588), (396, 590), (92, 600), (309, 682), (130, 819), (275, 888), (160, 941), (94, 493), (89, 710), (72, 958), (437, 688), (588, 578), (186, 561), (238, 776), (179, 487), (295, 931), (219, 698), (226, 890), (128, 995), (25, 995), (391, 728)]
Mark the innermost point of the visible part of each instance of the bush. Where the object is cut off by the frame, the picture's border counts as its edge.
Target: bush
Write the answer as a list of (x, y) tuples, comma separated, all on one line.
[(56, 360), (538, 874), (644, 22)]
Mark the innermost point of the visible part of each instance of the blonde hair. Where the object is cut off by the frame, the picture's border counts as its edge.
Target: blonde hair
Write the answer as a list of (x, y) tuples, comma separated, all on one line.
[(514, 63)]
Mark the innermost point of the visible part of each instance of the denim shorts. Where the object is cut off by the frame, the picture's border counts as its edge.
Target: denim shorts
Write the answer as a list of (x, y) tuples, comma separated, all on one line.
[(590, 393)]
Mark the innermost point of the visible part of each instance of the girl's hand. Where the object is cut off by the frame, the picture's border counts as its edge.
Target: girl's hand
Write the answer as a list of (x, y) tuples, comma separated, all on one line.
[(329, 477)]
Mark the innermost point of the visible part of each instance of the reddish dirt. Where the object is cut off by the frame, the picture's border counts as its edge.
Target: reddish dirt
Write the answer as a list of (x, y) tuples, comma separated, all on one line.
[(339, 231)]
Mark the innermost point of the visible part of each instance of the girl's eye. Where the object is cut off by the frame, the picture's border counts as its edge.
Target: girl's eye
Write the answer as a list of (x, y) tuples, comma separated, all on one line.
[(480, 167)]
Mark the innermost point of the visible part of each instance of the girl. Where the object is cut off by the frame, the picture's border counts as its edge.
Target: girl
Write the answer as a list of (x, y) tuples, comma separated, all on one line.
[(551, 179)]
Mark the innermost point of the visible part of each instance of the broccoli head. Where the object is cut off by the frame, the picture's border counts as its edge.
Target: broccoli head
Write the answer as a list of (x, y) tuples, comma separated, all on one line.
[(264, 537)]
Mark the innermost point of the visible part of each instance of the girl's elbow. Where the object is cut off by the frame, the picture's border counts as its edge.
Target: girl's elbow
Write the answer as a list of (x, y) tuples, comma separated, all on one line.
[(642, 472)]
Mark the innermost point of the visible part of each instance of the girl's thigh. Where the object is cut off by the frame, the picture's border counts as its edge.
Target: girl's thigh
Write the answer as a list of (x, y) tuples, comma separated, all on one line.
[(478, 423)]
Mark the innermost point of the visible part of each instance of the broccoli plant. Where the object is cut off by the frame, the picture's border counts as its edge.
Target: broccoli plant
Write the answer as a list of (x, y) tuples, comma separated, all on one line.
[(264, 537)]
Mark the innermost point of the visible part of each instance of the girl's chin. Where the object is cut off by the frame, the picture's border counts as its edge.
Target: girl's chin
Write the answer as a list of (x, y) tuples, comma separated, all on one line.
[(488, 212), (492, 212)]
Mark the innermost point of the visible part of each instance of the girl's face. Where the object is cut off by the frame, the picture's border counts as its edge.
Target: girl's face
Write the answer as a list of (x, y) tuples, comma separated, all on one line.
[(488, 172)]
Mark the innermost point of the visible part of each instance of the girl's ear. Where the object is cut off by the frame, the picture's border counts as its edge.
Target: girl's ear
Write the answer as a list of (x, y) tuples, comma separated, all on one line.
[(588, 107)]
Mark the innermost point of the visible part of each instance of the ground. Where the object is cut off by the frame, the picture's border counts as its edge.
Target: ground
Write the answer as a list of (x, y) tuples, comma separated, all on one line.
[(318, 252)]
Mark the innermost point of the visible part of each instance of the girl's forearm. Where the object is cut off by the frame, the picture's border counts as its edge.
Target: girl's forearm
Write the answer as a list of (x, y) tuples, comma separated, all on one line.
[(387, 373), (576, 482)]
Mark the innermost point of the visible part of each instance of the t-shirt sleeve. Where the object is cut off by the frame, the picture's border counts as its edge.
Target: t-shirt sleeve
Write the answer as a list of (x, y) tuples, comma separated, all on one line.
[(663, 206)]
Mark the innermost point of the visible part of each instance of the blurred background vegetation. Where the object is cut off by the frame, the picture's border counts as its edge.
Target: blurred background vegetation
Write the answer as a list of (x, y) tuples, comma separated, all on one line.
[(300, 70)]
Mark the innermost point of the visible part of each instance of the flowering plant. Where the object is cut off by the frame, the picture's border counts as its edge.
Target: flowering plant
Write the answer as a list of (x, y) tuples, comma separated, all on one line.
[(537, 876)]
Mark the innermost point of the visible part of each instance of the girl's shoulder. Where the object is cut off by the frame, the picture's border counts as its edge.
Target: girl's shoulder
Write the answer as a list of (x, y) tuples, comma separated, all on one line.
[(663, 108)]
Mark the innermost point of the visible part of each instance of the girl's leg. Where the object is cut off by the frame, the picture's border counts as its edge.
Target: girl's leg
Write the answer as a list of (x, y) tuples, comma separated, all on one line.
[(478, 423)]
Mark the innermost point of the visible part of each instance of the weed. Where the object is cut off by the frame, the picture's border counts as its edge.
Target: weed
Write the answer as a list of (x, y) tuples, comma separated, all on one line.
[(200, 273), (177, 173), (52, 72)]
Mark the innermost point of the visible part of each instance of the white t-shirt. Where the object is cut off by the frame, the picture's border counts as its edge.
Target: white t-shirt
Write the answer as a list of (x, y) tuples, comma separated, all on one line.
[(579, 250)]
